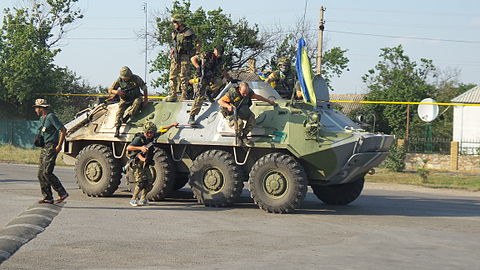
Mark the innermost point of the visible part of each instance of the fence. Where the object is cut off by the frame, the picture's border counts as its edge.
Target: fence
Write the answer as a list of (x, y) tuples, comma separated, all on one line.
[(428, 145), (18, 132)]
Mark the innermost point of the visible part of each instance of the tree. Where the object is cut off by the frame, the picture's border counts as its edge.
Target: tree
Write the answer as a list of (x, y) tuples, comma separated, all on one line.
[(334, 61), (397, 78), (28, 44), (213, 27)]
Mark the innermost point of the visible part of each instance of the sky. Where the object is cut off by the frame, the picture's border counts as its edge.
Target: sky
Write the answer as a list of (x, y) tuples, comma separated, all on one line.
[(447, 32)]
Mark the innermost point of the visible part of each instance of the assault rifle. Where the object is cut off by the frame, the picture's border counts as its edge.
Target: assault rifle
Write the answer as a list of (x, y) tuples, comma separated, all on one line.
[(148, 155)]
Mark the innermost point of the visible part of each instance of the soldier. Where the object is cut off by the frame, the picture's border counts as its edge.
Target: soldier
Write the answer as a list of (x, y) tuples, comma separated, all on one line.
[(185, 44), (283, 80), (128, 86), (210, 71), (240, 99), (137, 150), (51, 144)]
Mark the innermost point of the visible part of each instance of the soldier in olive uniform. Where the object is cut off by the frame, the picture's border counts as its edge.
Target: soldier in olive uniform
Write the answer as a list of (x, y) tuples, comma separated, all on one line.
[(210, 70), (137, 150), (50, 126), (128, 86), (240, 99), (284, 79), (185, 45)]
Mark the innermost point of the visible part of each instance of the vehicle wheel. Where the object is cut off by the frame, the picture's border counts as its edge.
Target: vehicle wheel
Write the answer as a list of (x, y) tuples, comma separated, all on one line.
[(97, 172), (180, 181), (216, 180), (163, 175), (339, 194), (278, 183)]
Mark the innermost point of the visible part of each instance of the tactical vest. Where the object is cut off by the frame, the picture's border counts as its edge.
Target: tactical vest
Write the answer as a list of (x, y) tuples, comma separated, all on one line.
[(132, 88), (285, 84), (184, 42), (212, 66), (240, 102), (143, 140)]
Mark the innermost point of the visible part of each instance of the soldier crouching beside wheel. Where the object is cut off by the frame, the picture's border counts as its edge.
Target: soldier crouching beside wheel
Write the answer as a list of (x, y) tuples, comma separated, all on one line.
[(141, 151), (239, 99)]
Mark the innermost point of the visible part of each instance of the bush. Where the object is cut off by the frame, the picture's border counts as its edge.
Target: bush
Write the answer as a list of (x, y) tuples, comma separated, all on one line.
[(396, 158)]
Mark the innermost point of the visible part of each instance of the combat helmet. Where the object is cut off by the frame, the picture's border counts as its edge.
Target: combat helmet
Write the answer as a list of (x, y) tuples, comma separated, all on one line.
[(179, 18), (125, 72), (283, 60), (149, 127)]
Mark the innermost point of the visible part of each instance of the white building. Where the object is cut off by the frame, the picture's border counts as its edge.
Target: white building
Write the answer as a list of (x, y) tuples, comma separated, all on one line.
[(466, 121)]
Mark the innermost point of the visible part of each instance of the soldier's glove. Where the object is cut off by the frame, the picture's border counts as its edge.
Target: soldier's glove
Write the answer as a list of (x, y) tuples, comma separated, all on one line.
[(199, 72)]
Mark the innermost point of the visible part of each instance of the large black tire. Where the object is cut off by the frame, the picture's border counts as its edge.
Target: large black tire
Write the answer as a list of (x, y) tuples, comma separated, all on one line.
[(97, 172), (162, 172), (339, 194), (278, 183), (181, 180), (216, 180)]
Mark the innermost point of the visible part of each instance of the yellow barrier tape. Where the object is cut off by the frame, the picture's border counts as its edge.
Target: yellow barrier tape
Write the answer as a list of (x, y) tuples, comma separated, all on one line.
[(404, 103), (89, 95), (333, 101)]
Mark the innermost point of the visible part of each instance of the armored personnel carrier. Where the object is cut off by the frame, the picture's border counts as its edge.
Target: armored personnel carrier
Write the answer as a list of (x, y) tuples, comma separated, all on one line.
[(296, 145)]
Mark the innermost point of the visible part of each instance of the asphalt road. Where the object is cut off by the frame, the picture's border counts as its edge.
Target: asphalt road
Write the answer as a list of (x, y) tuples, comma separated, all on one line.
[(388, 227)]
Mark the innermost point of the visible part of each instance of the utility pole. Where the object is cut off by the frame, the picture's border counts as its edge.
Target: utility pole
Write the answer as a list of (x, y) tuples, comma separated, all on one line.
[(321, 26), (146, 47)]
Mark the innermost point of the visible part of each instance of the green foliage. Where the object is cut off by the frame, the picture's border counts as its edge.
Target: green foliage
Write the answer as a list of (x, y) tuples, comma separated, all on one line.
[(396, 158), (27, 49), (423, 171), (334, 61), (212, 28), (397, 78)]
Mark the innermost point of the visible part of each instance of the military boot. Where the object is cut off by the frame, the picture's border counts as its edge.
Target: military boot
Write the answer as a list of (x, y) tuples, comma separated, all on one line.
[(191, 120), (117, 132), (247, 142)]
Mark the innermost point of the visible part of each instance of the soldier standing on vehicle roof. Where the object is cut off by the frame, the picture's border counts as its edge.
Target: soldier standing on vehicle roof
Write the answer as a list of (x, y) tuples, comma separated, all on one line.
[(185, 45), (284, 79), (210, 71), (141, 172), (128, 86), (51, 145), (240, 99)]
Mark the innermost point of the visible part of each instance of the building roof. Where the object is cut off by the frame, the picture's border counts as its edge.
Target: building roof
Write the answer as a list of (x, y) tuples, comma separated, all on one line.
[(348, 107), (471, 96)]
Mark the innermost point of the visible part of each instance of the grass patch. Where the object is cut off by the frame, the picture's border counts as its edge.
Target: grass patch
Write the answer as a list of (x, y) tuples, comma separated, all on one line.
[(434, 180), (14, 154)]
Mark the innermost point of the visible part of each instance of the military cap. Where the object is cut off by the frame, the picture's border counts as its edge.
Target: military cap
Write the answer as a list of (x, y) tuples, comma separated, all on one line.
[(178, 18), (283, 60), (149, 127), (125, 72), (40, 102)]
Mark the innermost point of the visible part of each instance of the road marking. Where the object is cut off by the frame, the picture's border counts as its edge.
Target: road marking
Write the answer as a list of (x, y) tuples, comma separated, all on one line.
[(35, 215)]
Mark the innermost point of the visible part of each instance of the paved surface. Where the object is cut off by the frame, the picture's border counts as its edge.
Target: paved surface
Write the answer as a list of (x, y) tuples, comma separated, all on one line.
[(388, 227)]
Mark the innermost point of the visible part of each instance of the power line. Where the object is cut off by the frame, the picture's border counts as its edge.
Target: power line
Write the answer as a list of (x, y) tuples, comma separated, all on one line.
[(405, 37)]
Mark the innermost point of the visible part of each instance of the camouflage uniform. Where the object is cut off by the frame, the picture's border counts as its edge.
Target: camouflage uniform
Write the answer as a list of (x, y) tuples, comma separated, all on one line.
[(283, 81), (142, 175), (49, 129), (244, 114), (184, 42), (212, 69), (132, 101)]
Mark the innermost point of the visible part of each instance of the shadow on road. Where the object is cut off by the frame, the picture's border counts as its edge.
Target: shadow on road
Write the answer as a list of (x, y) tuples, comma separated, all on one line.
[(376, 205)]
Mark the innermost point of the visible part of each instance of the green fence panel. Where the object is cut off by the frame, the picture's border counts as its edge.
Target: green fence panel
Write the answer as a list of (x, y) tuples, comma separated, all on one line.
[(18, 132)]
